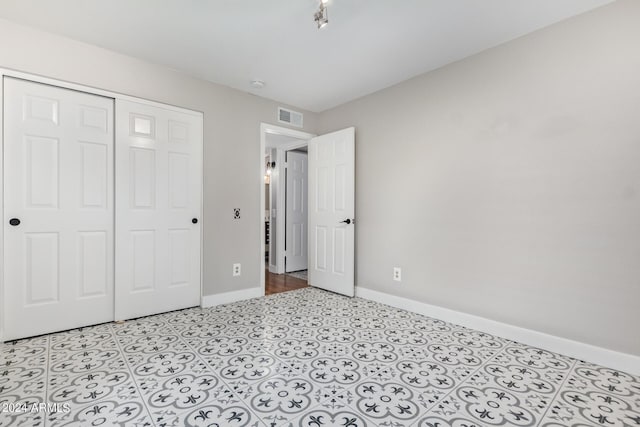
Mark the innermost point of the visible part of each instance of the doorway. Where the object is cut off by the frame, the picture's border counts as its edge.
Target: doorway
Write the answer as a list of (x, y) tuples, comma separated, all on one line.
[(331, 206), (282, 147)]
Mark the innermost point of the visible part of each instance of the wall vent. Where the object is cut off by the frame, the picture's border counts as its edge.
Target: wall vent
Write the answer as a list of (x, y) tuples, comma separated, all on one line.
[(289, 117)]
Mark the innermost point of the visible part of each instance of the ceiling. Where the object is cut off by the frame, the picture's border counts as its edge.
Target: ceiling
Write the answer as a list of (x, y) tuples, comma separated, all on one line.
[(368, 44)]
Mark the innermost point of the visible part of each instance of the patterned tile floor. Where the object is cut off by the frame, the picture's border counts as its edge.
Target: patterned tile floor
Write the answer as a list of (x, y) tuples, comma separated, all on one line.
[(303, 358)]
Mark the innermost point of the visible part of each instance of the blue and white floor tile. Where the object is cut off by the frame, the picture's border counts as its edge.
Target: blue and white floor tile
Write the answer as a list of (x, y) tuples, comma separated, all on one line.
[(303, 358)]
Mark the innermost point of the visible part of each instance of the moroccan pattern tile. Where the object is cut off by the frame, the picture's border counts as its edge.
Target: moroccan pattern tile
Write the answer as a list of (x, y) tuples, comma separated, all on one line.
[(305, 358)]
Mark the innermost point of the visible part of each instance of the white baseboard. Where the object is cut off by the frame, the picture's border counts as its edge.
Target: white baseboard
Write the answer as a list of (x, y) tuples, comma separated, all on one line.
[(587, 352), (233, 296)]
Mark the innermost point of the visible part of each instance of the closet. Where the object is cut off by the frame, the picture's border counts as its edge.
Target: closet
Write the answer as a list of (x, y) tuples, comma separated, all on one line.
[(101, 207)]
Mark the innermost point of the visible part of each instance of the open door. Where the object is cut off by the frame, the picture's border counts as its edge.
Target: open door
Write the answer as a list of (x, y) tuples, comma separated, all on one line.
[(332, 211), (296, 207)]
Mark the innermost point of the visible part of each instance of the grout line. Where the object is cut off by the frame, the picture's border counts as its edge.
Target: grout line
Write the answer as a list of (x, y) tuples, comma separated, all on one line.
[(133, 377), (286, 364), (569, 373), (210, 369), (507, 343), (471, 374)]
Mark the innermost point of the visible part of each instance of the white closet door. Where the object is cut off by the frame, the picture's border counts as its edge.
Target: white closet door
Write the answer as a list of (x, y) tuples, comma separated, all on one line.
[(331, 212), (158, 209), (58, 171), (296, 220)]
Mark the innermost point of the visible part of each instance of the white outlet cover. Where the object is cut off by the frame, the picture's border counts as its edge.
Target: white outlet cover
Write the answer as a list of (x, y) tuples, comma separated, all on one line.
[(237, 269), (397, 274)]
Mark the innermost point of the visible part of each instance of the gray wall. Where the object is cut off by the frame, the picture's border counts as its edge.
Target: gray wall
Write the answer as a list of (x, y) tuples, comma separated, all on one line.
[(507, 185), (232, 157)]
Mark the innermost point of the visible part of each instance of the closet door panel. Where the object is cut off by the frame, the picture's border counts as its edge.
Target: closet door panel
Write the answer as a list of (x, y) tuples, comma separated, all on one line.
[(159, 184), (58, 180)]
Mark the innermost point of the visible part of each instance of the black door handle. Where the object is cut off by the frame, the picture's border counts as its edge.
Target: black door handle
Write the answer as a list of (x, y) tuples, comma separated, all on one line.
[(194, 220), (14, 221), (347, 221)]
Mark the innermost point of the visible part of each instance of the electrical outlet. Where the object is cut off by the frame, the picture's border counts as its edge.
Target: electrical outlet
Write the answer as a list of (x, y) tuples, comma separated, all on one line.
[(397, 274), (237, 269)]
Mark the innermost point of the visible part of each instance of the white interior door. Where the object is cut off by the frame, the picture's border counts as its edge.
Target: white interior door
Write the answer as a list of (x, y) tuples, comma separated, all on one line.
[(296, 219), (158, 209), (332, 211), (58, 209)]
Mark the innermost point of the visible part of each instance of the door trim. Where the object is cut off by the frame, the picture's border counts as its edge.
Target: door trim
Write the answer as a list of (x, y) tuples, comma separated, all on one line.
[(267, 128), (7, 72)]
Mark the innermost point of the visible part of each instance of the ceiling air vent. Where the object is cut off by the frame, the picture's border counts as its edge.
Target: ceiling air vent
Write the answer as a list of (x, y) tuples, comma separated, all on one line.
[(289, 117)]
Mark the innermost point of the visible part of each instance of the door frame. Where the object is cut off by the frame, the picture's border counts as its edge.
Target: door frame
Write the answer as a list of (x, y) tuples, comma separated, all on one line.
[(266, 128), (7, 72)]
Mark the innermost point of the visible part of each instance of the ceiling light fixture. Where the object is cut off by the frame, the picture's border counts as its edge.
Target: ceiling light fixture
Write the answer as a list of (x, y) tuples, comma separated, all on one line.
[(257, 84), (322, 15)]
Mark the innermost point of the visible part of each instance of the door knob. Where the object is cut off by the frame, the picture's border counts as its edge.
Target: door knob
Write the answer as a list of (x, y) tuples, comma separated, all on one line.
[(347, 221), (14, 221), (194, 220)]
